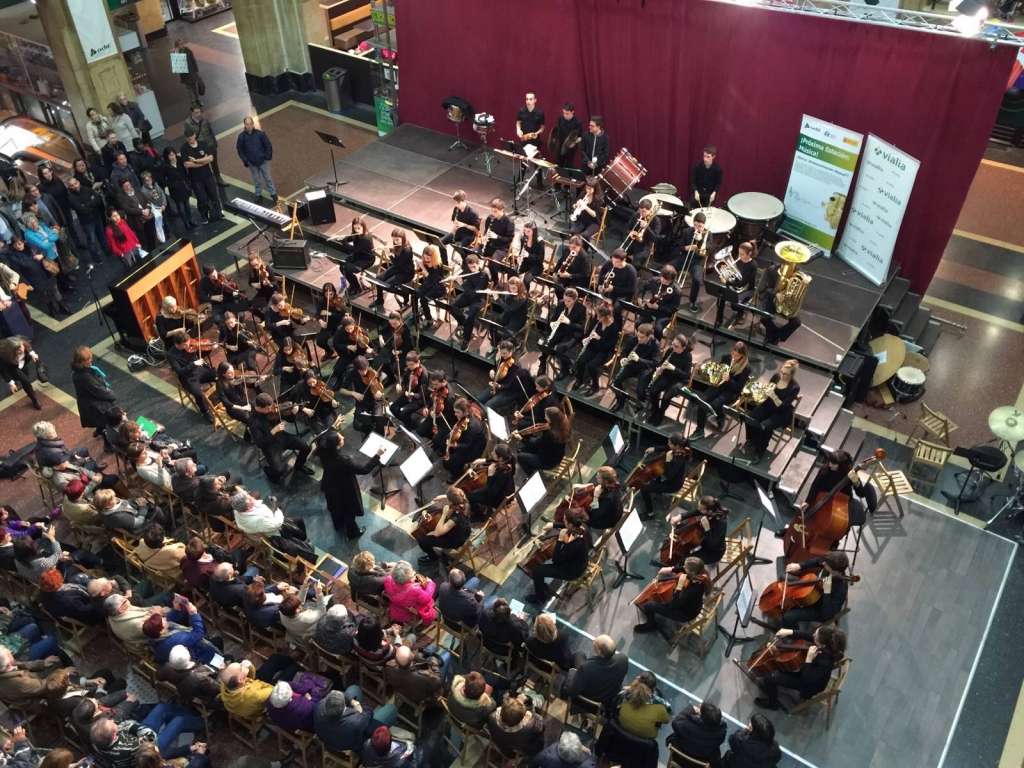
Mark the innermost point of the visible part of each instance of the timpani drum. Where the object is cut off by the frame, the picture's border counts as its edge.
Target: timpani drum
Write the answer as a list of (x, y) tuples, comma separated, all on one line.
[(622, 173), (908, 384), (754, 211), (719, 222)]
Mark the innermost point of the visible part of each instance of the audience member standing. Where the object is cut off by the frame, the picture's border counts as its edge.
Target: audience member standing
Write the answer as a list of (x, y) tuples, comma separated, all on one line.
[(202, 128), (256, 151), (191, 78)]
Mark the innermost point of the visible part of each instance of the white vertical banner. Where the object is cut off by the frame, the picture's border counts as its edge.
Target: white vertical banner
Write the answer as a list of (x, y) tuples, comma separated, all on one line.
[(884, 183), (823, 166), (93, 27)]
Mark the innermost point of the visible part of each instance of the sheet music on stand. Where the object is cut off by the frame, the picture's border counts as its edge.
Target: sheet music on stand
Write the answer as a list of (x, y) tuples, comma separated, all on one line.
[(374, 442), (616, 444), (416, 439), (769, 506), (498, 424), (631, 529), (745, 602), (416, 467), (531, 493)]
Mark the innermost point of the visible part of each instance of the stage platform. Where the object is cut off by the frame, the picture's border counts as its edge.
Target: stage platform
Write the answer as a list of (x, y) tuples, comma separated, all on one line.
[(408, 178)]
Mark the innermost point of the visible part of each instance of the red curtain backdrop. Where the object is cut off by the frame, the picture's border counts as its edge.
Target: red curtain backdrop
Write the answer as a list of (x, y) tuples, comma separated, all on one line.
[(674, 75)]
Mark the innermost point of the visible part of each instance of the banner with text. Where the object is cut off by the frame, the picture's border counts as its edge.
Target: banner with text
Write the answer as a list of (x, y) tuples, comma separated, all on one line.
[(819, 182), (93, 29), (880, 198)]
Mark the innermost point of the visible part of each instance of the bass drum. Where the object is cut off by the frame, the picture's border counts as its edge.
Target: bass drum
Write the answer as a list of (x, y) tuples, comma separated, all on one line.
[(720, 222), (908, 384), (622, 174)]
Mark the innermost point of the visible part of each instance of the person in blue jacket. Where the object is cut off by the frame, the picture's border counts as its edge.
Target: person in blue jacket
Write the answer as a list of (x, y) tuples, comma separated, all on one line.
[(256, 152), (165, 632)]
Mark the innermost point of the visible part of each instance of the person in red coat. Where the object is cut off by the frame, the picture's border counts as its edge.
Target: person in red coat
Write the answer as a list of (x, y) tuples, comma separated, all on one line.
[(122, 241)]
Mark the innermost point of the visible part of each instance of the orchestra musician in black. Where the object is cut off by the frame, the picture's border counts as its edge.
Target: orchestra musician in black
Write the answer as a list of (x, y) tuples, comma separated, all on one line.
[(695, 240), (573, 266), (289, 363), (361, 383), (662, 300), (172, 318), (599, 342), (777, 328), (529, 127), (395, 344), (503, 388), (692, 587), (239, 345), (775, 411), (496, 236), (715, 522), (412, 392), (532, 411), (330, 309), (267, 427), (639, 355), (430, 271), (452, 530), (706, 178), (570, 557), (668, 378), (465, 226), (745, 283), (320, 410), (616, 280), (359, 254), (216, 289), (594, 145), (531, 253), (437, 422), (566, 331), (260, 280), (403, 265), (236, 394), (466, 308), (671, 480), (500, 468), (192, 370), (466, 441), (728, 390), (511, 312), (280, 325), (349, 342), (588, 210), (828, 649), (645, 230), (606, 509), (545, 449), (567, 124)]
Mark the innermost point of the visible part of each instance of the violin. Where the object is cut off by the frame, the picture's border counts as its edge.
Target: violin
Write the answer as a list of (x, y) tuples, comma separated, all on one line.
[(281, 408), (651, 468), (776, 656), (263, 274), (461, 426), (530, 405), (320, 391), (780, 596), (297, 358), (371, 381), (294, 314), (440, 396), (501, 372), (359, 337), (202, 346), (537, 428), (824, 523), (229, 286)]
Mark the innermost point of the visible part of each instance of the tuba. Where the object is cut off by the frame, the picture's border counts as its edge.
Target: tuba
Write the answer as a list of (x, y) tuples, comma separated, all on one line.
[(792, 283)]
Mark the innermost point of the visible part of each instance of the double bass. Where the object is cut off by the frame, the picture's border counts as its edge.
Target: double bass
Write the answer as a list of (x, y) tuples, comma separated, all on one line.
[(825, 521)]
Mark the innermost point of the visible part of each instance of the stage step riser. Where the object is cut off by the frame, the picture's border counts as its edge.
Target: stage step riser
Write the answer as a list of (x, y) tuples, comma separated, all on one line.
[(913, 330), (825, 416), (905, 311), (853, 442), (840, 429), (796, 474), (929, 336), (894, 294)]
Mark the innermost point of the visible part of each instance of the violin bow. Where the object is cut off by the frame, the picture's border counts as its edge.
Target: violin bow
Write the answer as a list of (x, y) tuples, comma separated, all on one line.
[(244, 388)]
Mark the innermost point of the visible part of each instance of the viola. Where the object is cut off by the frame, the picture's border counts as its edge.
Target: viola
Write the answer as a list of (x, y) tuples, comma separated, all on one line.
[(528, 408), (461, 426), (776, 656), (535, 429), (294, 314), (359, 337), (280, 409), (780, 596), (440, 396), (429, 521), (371, 381), (825, 522), (230, 286), (297, 358)]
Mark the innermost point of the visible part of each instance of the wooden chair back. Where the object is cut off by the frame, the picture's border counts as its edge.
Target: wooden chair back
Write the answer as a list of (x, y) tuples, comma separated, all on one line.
[(691, 490), (703, 627), (679, 759)]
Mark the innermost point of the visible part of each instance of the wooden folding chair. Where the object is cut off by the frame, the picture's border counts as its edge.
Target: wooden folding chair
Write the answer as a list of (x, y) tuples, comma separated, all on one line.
[(739, 545), (829, 697), (333, 759), (372, 682), (466, 732), (453, 637), (328, 662), (787, 431), (935, 424), (567, 467), (691, 490), (679, 759), (542, 673), (301, 741), (246, 729), (507, 653), (595, 571), (378, 605), (48, 492), (701, 627)]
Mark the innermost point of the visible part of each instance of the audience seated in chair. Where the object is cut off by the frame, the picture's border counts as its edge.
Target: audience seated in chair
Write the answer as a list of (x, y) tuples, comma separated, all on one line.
[(166, 632), (68, 599), (373, 646), (418, 677), (193, 679), (131, 516), (366, 576), (63, 696), (291, 705), (458, 602), (227, 588), (381, 750), (126, 621), (548, 644), (598, 677), (411, 595), (335, 631), (342, 722), (567, 752), (299, 620), (641, 709), (699, 732), (754, 746), (244, 690), (469, 700), (262, 604), (160, 553), (514, 727)]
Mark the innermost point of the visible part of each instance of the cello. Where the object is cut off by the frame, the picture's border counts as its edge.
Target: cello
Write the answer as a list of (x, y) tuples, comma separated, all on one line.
[(651, 467), (782, 595), (686, 536), (547, 545), (825, 522), (580, 498), (659, 590), (776, 656)]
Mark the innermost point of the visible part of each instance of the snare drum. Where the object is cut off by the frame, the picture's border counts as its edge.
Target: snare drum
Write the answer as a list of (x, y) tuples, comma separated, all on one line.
[(622, 173), (669, 203), (908, 384), (720, 222), (754, 211)]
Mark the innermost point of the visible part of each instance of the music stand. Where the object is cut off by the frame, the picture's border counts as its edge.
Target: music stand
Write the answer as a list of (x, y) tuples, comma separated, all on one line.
[(375, 441), (768, 504), (614, 446), (448, 309), (745, 602), (498, 424), (415, 470), (756, 312), (332, 141), (722, 293), (529, 495), (626, 536)]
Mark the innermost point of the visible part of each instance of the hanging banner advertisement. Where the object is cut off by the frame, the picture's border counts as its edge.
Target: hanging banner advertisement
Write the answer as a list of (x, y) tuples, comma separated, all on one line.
[(880, 198), (819, 182), (93, 27)]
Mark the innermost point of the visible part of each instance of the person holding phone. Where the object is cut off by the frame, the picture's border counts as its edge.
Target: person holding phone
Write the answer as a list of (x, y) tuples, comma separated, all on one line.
[(165, 632)]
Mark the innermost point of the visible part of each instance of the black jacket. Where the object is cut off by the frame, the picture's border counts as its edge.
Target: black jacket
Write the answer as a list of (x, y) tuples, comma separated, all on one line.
[(557, 652), (747, 752), (579, 269), (693, 738), (94, 397), (228, 594), (176, 181), (597, 678), (623, 282), (339, 484), (608, 511), (88, 204), (459, 605), (548, 451)]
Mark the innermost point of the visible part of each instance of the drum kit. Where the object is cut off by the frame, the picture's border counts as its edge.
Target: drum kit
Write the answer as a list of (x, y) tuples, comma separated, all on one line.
[(1007, 423)]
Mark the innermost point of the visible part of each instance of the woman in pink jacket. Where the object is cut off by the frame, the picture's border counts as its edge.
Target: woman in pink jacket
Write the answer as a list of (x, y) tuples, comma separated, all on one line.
[(411, 595)]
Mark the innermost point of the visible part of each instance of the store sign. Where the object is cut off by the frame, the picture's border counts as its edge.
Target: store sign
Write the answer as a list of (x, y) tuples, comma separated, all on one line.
[(93, 29), (819, 182), (884, 183)]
